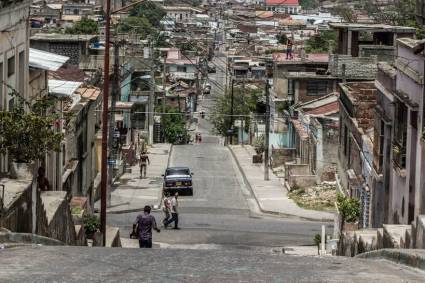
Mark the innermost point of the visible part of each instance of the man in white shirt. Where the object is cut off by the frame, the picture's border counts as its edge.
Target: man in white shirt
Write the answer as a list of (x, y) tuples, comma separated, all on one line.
[(174, 212)]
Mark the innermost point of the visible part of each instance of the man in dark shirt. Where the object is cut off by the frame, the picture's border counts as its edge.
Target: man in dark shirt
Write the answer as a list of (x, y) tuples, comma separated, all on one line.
[(144, 224)]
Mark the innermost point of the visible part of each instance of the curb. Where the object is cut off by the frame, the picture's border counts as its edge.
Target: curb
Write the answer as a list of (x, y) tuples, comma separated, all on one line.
[(275, 213), (397, 256)]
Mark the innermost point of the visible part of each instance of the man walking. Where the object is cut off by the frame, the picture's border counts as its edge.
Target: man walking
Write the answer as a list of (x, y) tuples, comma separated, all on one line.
[(144, 161), (174, 212), (166, 208), (143, 226)]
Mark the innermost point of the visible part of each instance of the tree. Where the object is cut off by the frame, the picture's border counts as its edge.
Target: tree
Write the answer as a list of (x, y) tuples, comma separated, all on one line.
[(399, 12), (243, 105), (349, 209), (321, 42), (346, 13), (149, 10), (282, 38), (28, 135), (85, 26), (309, 4), (139, 25), (174, 124)]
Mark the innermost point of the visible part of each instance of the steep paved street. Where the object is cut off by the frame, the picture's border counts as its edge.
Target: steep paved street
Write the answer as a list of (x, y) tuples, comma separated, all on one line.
[(222, 211), (79, 264)]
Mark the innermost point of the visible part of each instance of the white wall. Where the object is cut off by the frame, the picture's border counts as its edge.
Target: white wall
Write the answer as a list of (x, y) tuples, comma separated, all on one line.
[(14, 38)]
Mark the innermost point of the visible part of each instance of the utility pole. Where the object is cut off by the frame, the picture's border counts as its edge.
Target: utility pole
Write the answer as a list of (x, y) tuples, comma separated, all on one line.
[(164, 83), (231, 112), (198, 89), (115, 94), (104, 172), (151, 94), (242, 118), (266, 139)]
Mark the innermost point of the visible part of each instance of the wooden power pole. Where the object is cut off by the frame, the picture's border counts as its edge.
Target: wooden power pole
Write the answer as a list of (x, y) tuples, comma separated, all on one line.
[(104, 171), (266, 138)]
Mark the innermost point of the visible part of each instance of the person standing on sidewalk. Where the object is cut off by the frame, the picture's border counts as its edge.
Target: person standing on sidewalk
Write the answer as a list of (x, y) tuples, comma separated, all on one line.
[(144, 161), (174, 213), (166, 208), (143, 226)]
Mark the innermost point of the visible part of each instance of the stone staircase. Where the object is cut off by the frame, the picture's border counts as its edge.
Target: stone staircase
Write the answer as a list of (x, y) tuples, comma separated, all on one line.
[(390, 236)]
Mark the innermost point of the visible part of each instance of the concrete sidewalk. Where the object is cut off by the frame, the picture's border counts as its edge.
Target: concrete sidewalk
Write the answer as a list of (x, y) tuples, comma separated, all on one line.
[(131, 193), (271, 196)]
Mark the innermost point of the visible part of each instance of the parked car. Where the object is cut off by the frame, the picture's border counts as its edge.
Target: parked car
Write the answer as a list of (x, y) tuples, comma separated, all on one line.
[(211, 69), (178, 179)]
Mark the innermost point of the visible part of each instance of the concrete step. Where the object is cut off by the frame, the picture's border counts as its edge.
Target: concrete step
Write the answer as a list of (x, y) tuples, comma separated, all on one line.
[(77, 264)]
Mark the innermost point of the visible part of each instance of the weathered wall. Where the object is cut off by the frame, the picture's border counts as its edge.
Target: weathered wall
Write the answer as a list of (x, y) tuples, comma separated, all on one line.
[(70, 49), (355, 67), (18, 216), (54, 217), (304, 96)]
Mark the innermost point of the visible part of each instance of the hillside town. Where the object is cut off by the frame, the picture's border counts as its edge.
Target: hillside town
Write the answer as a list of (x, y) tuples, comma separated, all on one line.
[(257, 129)]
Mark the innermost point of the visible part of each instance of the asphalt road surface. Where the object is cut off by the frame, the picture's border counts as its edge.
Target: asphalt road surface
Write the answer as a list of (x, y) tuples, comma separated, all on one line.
[(222, 213)]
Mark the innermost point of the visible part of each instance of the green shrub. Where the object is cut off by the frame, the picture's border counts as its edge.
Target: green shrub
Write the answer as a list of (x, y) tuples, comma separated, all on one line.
[(91, 223), (349, 208)]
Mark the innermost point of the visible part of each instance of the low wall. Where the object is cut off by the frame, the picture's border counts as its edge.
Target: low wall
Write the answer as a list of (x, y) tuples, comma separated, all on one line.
[(27, 238), (54, 217), (389, 237), (282, 155), (299, 175), (17, 215), (302, 181)]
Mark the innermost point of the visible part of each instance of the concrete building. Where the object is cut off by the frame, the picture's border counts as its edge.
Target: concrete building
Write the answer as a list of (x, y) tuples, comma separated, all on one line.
[(51, 13), (314, 140), (399, 152), (283, 88), (14, 54), (76, 167), (181, 14), (365, 40), (75, 46), (279, 6), (179, 66), (356, 100)]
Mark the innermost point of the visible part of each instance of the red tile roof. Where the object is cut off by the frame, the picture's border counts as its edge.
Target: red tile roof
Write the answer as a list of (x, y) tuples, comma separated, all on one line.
[(282, 2), (326, 109), (90, 93)]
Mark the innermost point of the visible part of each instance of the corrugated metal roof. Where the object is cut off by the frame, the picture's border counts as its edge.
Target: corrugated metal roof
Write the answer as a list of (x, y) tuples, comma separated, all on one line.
[(63, 88), (46, 60)]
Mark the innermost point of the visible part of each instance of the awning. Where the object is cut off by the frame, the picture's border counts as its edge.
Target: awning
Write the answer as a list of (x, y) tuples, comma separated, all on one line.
[(46, 60), (120, 105), (63, 88)]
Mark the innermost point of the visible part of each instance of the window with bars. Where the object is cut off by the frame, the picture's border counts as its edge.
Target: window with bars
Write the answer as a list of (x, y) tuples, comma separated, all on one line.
[(317, 88), (400, 135)]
